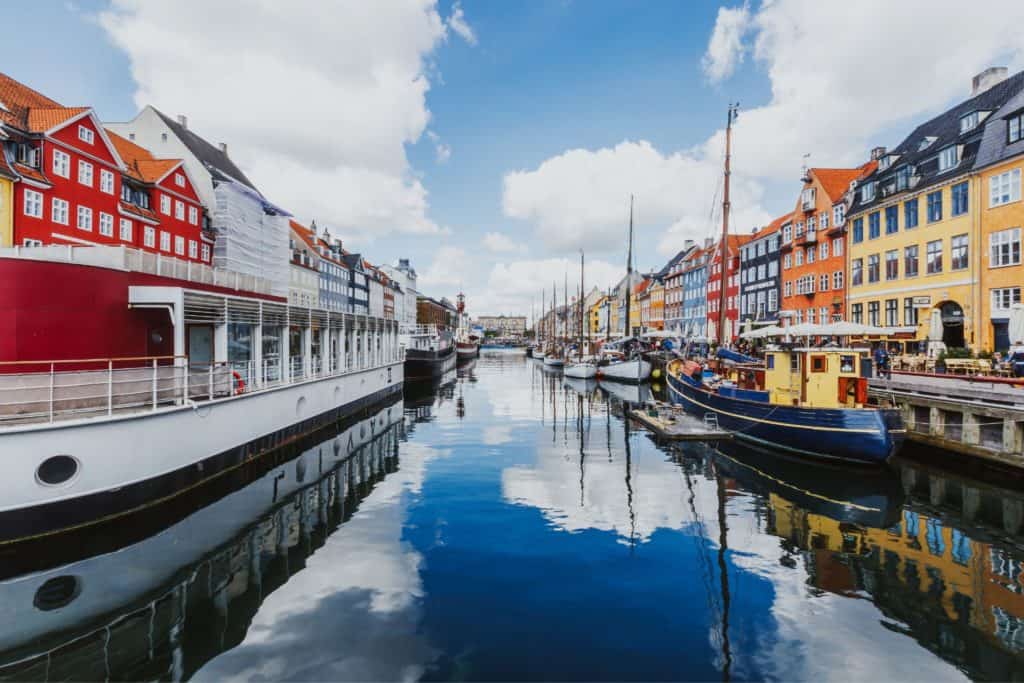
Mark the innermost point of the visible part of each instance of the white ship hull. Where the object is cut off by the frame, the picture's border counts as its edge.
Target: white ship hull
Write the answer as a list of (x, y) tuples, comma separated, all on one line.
[(626, 371), (581, 370), (553, 362)]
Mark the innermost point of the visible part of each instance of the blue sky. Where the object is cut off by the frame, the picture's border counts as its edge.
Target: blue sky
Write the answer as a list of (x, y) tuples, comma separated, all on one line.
[(550, 113)]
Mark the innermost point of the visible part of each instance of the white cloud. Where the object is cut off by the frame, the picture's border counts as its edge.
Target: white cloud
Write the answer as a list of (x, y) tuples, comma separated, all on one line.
[(500, 243), (725, 49), (514, 287), (442, 151), (314, 100), (445, 270), (457, 23)]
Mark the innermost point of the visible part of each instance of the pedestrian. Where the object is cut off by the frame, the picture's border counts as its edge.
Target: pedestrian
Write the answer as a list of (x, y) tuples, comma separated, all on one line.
[(882, 368)]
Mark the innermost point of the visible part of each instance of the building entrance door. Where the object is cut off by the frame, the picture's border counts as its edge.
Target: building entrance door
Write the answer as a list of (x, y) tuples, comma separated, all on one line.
[(952, 325)]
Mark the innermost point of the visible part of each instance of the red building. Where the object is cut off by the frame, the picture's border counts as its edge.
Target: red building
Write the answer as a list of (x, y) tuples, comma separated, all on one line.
[(79, 185), (732, 287)]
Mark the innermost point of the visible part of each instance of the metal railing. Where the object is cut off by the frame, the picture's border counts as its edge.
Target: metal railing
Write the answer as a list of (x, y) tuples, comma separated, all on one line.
[(48, 391)]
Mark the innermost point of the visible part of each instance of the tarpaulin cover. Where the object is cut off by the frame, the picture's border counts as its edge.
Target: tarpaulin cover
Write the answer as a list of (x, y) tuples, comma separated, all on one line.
[(249, 240)]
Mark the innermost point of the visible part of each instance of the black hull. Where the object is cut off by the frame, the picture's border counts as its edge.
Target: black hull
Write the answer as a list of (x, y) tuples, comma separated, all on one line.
[(39, 523), (428, 365)]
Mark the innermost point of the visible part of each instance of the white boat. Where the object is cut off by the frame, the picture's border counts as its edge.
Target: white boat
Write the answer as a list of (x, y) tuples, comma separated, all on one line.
[(631, 393), (581, 370), (553, 361), (538, 354), (635, 371)]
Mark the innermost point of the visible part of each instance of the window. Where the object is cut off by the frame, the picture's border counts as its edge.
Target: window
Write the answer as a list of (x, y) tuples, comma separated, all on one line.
[(59, 211), (810, 254), (61, 164), (787, 233), (811, 224), (84, 218), (910, 257), (787, 261), (909, 311), (106, 225), (858, 230), (32, 243), (179, 245), (86, 135), (799, 228), (837, 246), (788, 289), (874, 225), (85, 173), (892, 223), (823, 282), (933, 257), (935, 206), (867, 193), (193, 215), (969, 122), (874, 263), (823, 250), (1004, 248), (165, 205), (179, 209), (1015, 128), (892, 264), (892, 312), (958, 252), (179, 180), (857, 313), (873, 310), (810, 315), (126, 230), (910, 214), (903, 178), (773, 300), (799, 260), (33, 204), (1003, 299), (165, 240), (1004, 188), (959, 198), (837, 280), (773, 268), (948, 158), (857, 272), (823, 220), (106, 181), (193, 249), (838, 214)]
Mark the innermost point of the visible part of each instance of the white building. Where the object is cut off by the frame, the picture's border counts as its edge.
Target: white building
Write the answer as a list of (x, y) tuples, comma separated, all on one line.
[(376, 295), (405, 303)]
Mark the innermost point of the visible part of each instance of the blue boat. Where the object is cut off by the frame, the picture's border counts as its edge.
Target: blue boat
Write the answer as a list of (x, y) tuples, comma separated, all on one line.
[(811, 402)]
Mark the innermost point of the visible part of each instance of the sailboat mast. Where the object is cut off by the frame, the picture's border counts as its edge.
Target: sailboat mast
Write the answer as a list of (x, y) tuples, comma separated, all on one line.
[(629, 266), (724, 249), (581, 304)]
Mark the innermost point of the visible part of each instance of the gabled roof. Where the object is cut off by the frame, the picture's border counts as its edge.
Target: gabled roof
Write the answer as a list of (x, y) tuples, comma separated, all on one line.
[(140, 162), (43, 120), (18, 99), (216, 161), (775, 225), (836, 181)]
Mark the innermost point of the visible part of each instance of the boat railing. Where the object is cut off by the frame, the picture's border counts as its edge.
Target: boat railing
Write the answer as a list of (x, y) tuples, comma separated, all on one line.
[(53, 390)]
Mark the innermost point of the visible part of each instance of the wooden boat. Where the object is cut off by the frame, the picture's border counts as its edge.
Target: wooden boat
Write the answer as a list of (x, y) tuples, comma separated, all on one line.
[(811, 401)]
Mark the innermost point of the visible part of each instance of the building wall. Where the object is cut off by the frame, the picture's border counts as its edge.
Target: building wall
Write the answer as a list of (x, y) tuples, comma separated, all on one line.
[(997, 219), (759, 278), (6, 212)]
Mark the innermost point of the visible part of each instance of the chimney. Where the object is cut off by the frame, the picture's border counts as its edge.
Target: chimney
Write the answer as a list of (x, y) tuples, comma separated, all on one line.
[(991, 76), (183, 121), (223, 148), (877, 153)]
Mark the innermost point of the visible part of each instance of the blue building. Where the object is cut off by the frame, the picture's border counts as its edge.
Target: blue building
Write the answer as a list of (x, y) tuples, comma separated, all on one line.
[(694, 318)]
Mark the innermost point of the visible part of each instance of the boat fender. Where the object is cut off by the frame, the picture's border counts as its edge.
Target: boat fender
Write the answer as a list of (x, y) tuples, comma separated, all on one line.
[(239, 382), (655, 373)]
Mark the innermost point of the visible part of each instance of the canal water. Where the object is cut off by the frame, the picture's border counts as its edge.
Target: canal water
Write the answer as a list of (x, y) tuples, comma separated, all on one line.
[(505, 525)]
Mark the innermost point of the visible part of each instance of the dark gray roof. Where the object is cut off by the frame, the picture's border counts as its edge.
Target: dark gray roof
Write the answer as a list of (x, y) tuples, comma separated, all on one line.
[(661, 274), (995, 145), (210, 156), (945, 129)]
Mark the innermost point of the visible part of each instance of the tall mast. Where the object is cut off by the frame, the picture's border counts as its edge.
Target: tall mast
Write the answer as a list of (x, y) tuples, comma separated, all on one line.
[(565, 302), (543, 305), (629, 266), (724, 249), (581, 304)]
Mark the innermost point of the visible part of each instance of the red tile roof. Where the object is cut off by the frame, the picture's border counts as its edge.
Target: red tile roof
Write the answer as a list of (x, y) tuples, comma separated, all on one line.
[(139, 211), (18, 99), (42, 120), (140, 162), (775, 225), (30, 173), (836, 181)]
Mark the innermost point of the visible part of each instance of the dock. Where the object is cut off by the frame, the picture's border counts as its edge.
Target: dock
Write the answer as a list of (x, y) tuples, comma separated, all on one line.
[(984, 420), (672, 424)]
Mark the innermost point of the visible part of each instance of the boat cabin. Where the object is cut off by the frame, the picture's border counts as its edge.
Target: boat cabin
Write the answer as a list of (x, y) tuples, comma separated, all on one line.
[(817, 377)]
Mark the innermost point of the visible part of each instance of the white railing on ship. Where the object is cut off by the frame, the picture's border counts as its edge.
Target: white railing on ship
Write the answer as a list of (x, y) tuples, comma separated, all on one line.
[(41, 391), (139, 261)]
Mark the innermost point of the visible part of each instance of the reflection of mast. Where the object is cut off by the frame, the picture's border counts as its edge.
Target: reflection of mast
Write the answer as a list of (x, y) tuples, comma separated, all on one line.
[(579, 430), (629, 488), (723, 574)]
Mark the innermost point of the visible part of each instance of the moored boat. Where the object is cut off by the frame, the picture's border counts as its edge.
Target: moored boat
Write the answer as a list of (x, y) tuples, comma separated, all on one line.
[(811, 402), (429, 352), (581, 370)]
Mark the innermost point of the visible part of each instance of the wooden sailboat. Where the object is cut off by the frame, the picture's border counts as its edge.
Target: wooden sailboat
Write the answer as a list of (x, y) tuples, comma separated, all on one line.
[(582, 368), (553, 356)]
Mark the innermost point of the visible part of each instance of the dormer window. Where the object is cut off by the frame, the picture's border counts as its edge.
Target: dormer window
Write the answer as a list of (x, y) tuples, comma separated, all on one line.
[(902, 178), (926, 143), (949, 158), (1015, 128), (886, 162), (867, 192)]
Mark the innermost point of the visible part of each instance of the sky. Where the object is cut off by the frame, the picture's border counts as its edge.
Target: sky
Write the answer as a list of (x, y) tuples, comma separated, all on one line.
[(489, 142)]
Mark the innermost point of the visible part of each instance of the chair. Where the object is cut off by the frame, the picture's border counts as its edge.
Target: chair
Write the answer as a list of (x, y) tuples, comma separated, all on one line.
[(984, 366)]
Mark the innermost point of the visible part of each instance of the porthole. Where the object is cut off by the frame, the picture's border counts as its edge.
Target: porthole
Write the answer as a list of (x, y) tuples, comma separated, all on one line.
[(57, 592), (57, 470)]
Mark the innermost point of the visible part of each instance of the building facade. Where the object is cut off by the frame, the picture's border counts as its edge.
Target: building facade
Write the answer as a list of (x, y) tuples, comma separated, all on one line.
[(503, 325), (695, 292), (404, 275), (672, 278), (760, 284), (725, 275)]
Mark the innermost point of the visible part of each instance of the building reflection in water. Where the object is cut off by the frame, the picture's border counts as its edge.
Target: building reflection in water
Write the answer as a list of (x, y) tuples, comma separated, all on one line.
[(170, 629)]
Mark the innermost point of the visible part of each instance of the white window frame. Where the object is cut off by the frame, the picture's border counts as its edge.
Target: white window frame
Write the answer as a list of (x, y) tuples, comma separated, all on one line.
[(193, 249), (61, 163), (1007, 238), (33, 204), (193, 215), (837, 246), (106, 224), (179, 245), (86, 173), (999, 295), (126, 230), (60, 211), (165, 241), (86, 135), (165, 205), (1004, 188), (179, 179), (179, 210), (149, 237), (84, 218), (949, 158), (106, 181)]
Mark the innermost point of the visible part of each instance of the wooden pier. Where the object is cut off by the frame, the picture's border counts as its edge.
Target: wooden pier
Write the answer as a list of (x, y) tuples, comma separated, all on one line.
[(673, 424), (971, 417)]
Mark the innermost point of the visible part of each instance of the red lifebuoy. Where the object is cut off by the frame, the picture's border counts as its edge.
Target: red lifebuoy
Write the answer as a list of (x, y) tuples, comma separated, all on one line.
[(241, 382)]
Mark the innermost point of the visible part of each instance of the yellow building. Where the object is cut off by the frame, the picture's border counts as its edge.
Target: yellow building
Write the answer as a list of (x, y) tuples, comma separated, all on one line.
[(594, 316), (656, 313), (1000, 165), (6, 207), (915, 232)]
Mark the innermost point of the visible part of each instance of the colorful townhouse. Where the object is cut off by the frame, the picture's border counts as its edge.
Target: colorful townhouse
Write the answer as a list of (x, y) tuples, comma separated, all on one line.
[(728, 277), (999, 166), (918, 224), (813, 247), (695, 291), (760, 284), (7, 179), (672, 277)]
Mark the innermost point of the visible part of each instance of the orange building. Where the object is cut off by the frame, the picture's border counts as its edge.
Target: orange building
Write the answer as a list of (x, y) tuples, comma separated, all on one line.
[(813, 246)]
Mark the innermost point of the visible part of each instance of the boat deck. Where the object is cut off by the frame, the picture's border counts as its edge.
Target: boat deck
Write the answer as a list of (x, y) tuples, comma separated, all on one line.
[(674, 425)]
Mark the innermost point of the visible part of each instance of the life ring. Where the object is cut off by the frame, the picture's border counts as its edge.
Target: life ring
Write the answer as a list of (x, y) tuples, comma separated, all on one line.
[(240, 386)]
